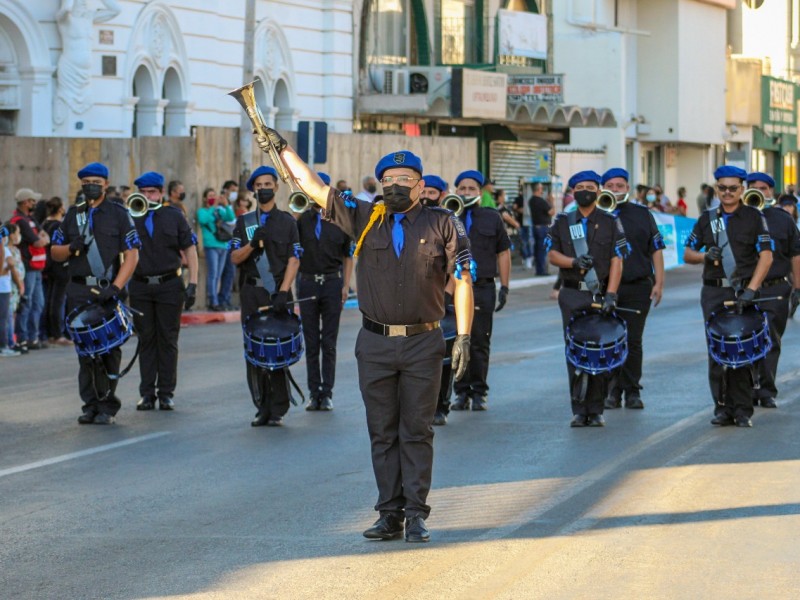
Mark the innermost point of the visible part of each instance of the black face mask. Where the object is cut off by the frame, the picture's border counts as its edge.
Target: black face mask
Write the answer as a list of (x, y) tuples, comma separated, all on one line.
[(428, 202), (397, 198), (371, 188), (92, 191), (182, 196), (265, 196), (585, 198)]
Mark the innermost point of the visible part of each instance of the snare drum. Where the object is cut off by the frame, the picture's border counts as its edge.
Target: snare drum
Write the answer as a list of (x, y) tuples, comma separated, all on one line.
[(737, 340), (97, 328), (596, 343), (272, 340)]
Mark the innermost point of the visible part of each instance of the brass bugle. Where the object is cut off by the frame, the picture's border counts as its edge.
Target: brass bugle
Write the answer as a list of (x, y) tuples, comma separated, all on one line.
[(607, 201), (754, 198), (137, 204), (458, 204), (299, 202)]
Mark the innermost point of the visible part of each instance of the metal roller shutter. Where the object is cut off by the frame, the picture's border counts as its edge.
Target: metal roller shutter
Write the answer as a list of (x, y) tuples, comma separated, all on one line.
[(510, 161)]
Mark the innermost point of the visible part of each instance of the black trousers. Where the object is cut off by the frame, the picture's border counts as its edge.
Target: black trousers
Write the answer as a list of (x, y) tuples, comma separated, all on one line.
[(320, 331), (268, 389), (399, 379), (571, 301), (95, 387), (55, 294), (158, 328), (777, 314), (737, 400), (474, 383), (636, 296)]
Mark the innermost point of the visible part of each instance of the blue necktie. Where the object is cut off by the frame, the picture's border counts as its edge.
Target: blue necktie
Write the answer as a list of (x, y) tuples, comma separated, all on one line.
[(398, 237), (148, 223), (584, 221), (468, 221), (318, 226), (264, 217)]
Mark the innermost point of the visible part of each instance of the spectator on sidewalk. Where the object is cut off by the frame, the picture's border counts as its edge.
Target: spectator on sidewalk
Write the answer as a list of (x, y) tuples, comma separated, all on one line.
[(55, 279), (6, 270), (541, 216), (18, 285), (487, 194), (370, 189), (682, 206), (216, 210)]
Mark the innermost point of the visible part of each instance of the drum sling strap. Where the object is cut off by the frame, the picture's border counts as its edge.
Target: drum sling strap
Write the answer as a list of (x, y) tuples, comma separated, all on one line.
[(251, 223), (577, 234)]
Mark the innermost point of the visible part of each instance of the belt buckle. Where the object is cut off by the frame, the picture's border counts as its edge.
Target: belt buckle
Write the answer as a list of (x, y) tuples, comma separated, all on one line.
[(153, 279), (397, 330), (319, 279)]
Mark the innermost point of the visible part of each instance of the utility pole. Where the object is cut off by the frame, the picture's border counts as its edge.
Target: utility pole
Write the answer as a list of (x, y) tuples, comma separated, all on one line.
[(246, 128)]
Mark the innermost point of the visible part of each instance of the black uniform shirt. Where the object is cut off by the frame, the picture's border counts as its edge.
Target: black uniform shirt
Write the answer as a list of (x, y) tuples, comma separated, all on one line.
[(409, 289), (540, 211), (605, 239), (326, 254), (113, 230), (748, 234), (487, 238), (785, 238), (161, 253), (282, 242), (643, 237)]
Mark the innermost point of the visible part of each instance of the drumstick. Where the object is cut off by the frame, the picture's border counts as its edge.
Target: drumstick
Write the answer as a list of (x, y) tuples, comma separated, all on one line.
[(635, 311), (755, 300), (292, 302)]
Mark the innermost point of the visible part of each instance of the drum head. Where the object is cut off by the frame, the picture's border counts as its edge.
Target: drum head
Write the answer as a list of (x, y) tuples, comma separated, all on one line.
[(729, 324), (268, 325), (593, 327), (91, 315)]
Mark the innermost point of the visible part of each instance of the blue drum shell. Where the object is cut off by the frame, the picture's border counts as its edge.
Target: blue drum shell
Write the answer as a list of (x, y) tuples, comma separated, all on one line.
[(272, 340), (596, 343), (738, 340), (97, 328)]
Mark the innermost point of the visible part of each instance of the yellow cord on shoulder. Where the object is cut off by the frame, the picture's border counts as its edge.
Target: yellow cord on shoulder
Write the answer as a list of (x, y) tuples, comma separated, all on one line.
[(378, 212)]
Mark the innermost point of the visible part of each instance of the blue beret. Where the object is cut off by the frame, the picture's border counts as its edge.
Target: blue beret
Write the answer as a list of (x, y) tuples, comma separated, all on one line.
[(615, 172), (759, 176), (584, 176), (150, 179), (476, 175), (326, 179), (262, 170), (94, 169), (730, 171), (436, 182), (404, 158)]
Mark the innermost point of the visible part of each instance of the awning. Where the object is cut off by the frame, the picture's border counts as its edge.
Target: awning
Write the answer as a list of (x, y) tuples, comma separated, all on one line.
[(559, 115)]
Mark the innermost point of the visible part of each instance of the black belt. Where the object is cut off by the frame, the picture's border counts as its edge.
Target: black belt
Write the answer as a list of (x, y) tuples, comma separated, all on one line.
[(398, 330), (639, 281), (156, 279), (580, 285), (724, 282), (320, 277), (101, 282), (483, 281), (774, 281)]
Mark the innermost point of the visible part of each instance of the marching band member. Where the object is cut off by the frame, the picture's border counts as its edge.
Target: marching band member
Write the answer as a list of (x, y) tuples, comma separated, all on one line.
[(785, 264), (326, 266), (268, 232), (157, 291), (588, 245), (642, 284), (490, 247), (737, 258), (92, 237), (434, 191)]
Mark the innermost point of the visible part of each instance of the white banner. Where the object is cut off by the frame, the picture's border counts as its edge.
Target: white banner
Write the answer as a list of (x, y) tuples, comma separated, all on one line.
[(522, 34)]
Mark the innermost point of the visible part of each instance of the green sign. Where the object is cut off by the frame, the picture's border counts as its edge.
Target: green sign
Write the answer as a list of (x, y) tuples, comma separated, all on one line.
[(778, 131)]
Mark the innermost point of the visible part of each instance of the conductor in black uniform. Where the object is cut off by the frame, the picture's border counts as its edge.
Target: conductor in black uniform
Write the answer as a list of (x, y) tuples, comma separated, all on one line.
[(326, 266), (157, 291), (782, 280), (749, 242), (642, 284), (407, 250), (108, 227), (491, 251), (606, 249), (271, 232)]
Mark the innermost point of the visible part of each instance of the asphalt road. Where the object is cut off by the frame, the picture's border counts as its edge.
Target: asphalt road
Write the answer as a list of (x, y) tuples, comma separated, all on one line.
[(197, 504)]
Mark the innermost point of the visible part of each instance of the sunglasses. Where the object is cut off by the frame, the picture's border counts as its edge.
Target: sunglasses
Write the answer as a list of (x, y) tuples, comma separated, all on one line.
[(728, 188), (400, 180)]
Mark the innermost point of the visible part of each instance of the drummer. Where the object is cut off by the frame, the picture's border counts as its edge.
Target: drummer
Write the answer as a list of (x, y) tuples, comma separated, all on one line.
[(785, 264), (588, 246), (268, 232), (737, 258), (93, 236)]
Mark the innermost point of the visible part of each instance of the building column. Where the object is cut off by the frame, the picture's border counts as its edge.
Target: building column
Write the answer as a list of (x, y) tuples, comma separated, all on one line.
[(35, 116), (150, 116), (176, 118)]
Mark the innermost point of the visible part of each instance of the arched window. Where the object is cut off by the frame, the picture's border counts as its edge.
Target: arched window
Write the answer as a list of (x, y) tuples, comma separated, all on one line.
[(175, 110), (457, 30), (144, 116), (9, 78)]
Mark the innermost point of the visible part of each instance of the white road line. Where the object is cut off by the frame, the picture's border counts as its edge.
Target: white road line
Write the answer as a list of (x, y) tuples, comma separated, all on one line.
[(88, 452)]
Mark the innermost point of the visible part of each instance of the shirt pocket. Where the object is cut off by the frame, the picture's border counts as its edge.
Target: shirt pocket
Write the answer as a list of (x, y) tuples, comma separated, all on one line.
[(432, 258), (486, 240), (281, 246), (377, 251)]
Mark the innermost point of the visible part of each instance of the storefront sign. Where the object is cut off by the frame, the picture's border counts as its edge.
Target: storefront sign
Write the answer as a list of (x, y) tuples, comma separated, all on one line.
[(779, 114), (522, 34), (536, 88), (479, 94)]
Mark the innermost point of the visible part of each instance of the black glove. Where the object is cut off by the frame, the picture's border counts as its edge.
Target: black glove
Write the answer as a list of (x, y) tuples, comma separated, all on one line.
[(107, 293), (794, 301), (449, 307), (609, 303), (713, 254), (502, 298), (279, 301), (460, 357), (584, 262), (746, 298), (258, 239), (189, 296), (77, 246), (273, 137)]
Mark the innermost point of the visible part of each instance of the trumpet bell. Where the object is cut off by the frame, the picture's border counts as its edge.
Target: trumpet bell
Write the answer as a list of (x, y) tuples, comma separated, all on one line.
[(137, 204), (755, 198), (607, 201), (299, 202), (458, 204)]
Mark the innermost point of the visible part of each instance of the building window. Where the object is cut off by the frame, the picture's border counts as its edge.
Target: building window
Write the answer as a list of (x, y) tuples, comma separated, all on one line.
[(456, 30), (387, 36)]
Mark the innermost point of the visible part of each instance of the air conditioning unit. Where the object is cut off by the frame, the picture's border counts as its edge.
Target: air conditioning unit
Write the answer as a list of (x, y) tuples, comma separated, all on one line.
[(426, 80), (395, 81)]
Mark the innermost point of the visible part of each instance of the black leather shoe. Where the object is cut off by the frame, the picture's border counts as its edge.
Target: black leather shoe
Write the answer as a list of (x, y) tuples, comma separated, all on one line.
[(768, 403), (275, 422), (313, 404), (104, 419), (595, 421), (633, 400), (462, 402), (440, 419), (578, 421), (614, 399), (479, 403), (416, 530), (87, 418), (146, 403), (325, 403), (259, 421), (743, 422), (165, 403), (722, 420), (388, 527)]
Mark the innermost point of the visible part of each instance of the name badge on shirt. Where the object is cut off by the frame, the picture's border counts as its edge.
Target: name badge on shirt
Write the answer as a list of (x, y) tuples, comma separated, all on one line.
[(81, 218), (249, 231), (576, 231), (717, 225)]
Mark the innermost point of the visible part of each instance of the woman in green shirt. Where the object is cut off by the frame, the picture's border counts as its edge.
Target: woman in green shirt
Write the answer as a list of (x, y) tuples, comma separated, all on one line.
[(215, 209)]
